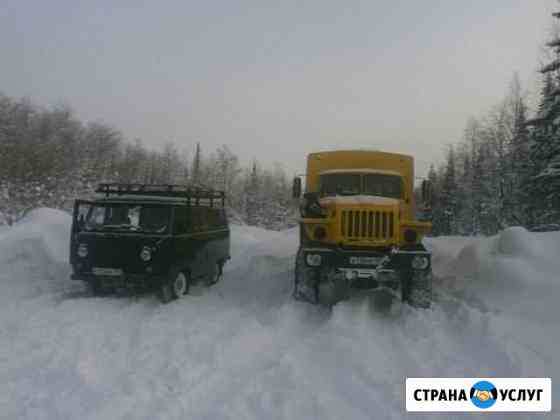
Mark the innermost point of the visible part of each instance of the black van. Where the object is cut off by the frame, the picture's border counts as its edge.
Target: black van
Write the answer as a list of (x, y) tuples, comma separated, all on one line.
[(159, 237)]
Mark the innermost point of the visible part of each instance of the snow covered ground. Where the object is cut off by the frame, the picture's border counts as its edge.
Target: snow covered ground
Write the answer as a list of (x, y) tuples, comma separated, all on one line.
[(244, 349)]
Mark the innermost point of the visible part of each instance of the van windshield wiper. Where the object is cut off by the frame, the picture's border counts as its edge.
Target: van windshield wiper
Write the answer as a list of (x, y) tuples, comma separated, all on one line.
[(121, 226)]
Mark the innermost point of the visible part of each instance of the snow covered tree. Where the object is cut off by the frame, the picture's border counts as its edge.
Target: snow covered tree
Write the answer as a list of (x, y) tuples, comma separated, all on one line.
[(252, 197), (434, 205), (195, 176), (544, 189), (521, 168), (48, 158), (170, 165), (464, 192), (448, 195)]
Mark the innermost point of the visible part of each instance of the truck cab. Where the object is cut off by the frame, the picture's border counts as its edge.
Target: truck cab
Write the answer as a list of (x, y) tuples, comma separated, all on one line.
[(358, 228)]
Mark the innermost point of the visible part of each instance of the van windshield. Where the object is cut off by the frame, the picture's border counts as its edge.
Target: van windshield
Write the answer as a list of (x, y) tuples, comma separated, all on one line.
[(126, 217)]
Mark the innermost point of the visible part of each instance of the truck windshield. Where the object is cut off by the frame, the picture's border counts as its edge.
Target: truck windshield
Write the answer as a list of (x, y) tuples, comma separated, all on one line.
[(381, 185), (127, 217), (341, 184)]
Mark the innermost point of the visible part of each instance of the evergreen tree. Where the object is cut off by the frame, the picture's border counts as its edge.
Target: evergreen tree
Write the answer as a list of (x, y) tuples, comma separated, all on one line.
[(448, 196), (521, 167), (195, 176), (464, 194), (544, 189), (433, 205)]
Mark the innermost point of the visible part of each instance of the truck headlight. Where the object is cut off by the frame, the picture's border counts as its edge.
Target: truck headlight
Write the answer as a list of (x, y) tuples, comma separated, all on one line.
[(82, 250), (410, 235), (420, 262), (146, 254), (320, 233), (313, 260)]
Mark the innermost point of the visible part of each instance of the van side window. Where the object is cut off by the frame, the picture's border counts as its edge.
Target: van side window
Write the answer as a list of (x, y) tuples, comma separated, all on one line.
[(212, 219), (199, 218), (217, 217), (222, 220), (180, 220)]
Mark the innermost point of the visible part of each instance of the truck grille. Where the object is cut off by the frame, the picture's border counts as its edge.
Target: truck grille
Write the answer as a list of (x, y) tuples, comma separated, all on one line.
[(367, 224)]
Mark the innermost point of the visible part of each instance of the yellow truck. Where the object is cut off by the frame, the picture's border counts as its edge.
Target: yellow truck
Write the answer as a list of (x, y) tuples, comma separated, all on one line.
[(358, 228)]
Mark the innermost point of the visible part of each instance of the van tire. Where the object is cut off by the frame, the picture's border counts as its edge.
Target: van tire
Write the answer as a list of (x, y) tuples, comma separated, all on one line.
[(217, 274), (96, 288), (175, 287)]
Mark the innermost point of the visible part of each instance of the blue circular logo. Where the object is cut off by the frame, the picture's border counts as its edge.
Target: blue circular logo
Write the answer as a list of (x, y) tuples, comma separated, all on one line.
[(483, 394)]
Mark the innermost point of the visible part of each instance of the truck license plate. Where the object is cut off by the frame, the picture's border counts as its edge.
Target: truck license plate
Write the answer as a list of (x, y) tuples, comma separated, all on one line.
[(365, 260), (102, 271)]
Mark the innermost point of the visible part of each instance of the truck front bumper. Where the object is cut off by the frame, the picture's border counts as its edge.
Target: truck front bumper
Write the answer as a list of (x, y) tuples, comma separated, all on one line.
[(365, 268)]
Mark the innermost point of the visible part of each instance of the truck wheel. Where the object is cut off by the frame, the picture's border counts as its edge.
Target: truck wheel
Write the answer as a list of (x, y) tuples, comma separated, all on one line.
[(175, 287), (418, 291), (305, 281), (333, 287)]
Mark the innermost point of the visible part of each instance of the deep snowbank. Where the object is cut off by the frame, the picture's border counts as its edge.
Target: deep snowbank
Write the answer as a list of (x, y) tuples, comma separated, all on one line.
[(515, 272), (33, 256), (244, 349)]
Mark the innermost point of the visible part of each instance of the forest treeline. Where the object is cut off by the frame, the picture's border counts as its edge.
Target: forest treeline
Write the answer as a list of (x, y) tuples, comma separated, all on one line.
[(48, 157), (506, 170)]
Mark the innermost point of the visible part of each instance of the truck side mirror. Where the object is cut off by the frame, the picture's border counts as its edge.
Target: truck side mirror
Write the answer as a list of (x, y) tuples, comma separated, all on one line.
[(426, 191), (296, 188)]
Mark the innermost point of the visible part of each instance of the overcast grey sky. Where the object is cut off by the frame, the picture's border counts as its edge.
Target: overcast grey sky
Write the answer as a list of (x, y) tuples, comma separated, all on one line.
[(275, 80)]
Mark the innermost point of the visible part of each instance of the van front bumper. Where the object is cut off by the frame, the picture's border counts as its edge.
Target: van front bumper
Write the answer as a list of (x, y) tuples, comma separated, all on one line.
[(121, 281)]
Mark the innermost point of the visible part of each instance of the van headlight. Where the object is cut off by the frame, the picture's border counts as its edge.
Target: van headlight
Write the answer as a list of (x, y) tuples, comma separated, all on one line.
[(420, 262), (313, 260), (146, 254), (82, 250)]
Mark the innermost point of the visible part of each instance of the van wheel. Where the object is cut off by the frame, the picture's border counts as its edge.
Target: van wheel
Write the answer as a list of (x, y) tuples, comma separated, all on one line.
[(217, 274), (96, 288), (175, 288)]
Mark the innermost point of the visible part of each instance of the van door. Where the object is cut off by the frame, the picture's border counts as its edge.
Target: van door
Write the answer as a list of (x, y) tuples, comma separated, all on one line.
[(219, 241), (182, 249), (199, 240)]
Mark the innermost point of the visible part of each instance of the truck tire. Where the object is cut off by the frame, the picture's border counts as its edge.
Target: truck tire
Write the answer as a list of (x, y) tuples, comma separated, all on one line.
[(305, 281), (333, 287), (418, 291)]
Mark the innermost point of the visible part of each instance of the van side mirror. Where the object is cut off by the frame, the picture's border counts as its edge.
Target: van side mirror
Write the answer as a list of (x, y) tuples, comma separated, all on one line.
[(81, 222), (296, 187)]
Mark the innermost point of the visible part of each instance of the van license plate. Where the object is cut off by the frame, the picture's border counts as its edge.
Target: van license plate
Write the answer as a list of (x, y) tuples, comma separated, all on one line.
[(102, 271), (365, 260)]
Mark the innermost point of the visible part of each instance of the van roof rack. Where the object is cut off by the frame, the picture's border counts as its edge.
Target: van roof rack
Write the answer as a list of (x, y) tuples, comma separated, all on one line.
[(190, 193)]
